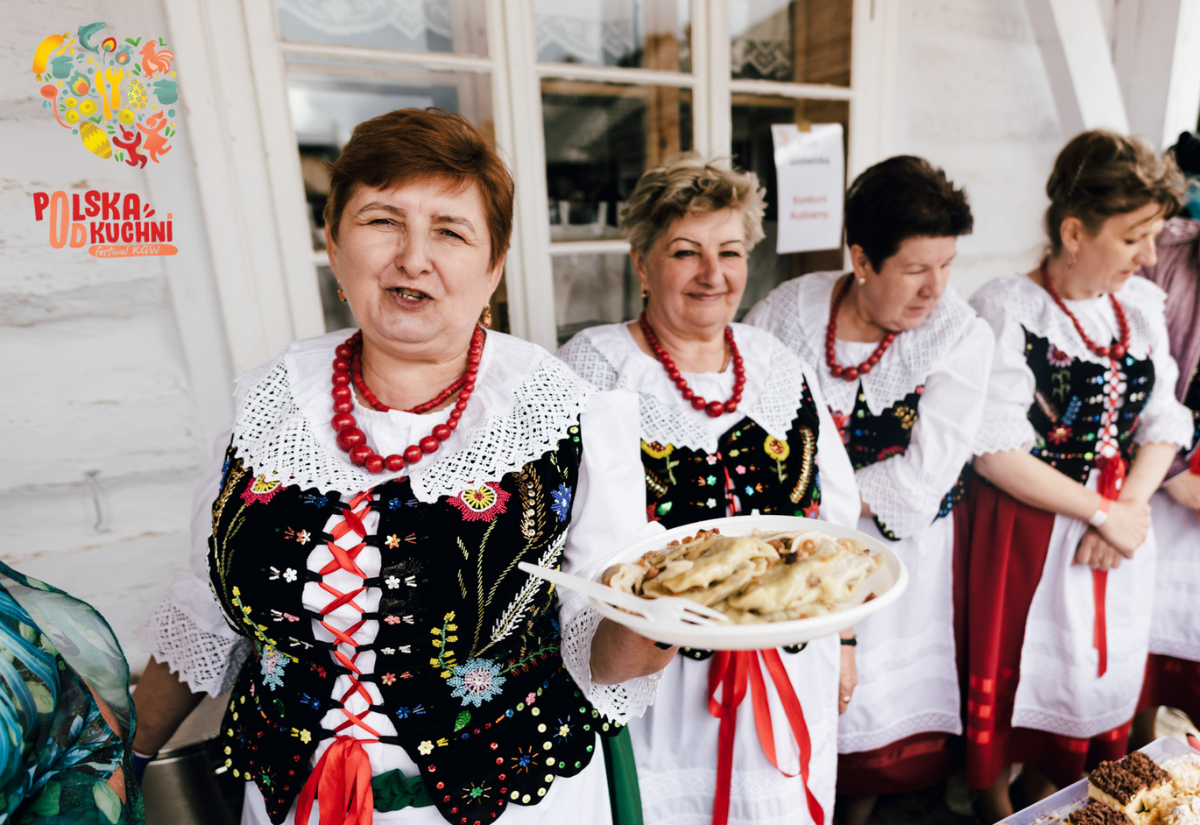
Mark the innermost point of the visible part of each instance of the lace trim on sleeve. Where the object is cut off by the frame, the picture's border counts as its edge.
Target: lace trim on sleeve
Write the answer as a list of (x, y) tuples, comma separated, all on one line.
[(1000, 435), (207, 662), (899, 505), (1173, 425), (617, 703)]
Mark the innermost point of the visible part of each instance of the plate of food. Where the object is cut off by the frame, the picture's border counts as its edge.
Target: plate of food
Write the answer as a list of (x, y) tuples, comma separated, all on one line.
[(780, 580), (1158, 785)]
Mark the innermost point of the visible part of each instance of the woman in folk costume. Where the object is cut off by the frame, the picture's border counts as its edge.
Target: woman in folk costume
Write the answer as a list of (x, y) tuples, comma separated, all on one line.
[(731, 423), (1173, 670), (354, 574), (899, 357), (1080, 427)]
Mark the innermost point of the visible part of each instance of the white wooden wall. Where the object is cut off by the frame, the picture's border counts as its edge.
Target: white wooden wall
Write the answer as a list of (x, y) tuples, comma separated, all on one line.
[(112, 367), (121, 367)]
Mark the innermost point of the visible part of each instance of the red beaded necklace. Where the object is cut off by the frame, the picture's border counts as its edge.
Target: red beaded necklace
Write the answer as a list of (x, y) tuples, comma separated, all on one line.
[(347, 367), (849, 373), (1117, 350), (714, 409)]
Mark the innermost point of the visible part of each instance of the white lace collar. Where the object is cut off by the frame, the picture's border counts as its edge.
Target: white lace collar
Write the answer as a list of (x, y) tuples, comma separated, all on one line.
[(1031, 306), (524, 403), (801, 307), (608, 357)]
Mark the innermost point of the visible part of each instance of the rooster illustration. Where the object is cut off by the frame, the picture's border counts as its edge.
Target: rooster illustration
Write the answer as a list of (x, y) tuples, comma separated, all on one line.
[(153, 61)]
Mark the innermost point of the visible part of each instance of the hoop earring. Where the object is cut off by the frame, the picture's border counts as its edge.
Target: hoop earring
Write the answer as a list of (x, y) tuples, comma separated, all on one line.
[(485, 317), (341, 295)]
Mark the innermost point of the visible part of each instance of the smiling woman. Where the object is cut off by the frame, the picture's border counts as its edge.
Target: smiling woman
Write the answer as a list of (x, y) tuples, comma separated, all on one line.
[(428, 455)]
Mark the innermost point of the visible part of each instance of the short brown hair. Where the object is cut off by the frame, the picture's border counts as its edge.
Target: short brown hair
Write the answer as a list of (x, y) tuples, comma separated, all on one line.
[(688, 184), (1100, 174), (411, 144), (900, 198)]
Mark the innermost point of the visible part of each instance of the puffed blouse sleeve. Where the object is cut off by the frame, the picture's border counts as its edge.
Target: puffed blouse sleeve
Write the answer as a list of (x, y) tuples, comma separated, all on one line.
[(1005, 424), (906, 491), (608, 515), (187, 631), (1164, 419)]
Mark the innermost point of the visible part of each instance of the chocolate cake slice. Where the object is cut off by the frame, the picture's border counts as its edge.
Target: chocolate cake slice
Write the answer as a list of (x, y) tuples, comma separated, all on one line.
[(1158, 781), (1097, 813), (1118, 788)]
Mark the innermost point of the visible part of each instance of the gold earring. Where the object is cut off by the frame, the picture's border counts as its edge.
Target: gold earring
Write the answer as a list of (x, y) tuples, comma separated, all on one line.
[(341, 295), (485, 317), (862, 281), (645, 292), (1071, 263)]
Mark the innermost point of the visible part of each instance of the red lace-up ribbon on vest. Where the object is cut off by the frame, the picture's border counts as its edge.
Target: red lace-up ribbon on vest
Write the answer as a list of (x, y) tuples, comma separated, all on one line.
[(1112, 478), (732, 671), (341, 782)]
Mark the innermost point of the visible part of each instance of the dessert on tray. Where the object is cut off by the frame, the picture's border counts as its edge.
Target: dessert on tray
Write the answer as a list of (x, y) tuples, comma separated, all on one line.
[(764, 577), (1097, 813)]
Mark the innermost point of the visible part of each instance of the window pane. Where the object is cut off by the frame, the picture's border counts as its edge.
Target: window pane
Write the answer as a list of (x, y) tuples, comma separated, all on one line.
[(329, 98), (457, 26), (647, 34), (593, 289), (753, 150), (797, 41), (600, 138)]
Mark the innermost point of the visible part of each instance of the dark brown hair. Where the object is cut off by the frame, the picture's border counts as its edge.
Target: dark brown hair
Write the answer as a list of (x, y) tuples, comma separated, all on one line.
[(412, 144), (1100, 174), (900, 198)]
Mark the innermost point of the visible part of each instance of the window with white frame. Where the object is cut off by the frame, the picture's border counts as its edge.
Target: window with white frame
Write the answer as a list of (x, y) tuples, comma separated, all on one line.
[(580, 96)]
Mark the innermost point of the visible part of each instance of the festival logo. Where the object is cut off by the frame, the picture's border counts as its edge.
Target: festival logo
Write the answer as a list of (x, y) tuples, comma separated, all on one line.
[(119, 98), (110, 224)]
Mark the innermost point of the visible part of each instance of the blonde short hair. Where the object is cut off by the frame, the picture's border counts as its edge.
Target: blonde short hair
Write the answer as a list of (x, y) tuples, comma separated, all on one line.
[(688, 184)]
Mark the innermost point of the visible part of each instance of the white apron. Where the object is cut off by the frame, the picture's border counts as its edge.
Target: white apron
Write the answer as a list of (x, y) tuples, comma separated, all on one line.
[(1175, 628)]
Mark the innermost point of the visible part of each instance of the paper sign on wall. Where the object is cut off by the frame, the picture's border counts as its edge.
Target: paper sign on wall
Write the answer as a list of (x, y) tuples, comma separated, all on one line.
[(810, 166)]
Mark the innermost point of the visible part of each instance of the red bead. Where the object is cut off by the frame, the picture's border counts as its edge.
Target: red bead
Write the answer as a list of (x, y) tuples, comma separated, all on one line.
[(851, 373), (836, 371), (698, 402), (341, 392), (687, 393), (715, 409), (863, 369), (374, 464), (413, 454), (343, 351), (452, 423), (351, 437), (360, 454), (441, 432), (1118, 351), (394, 463), (673, 374), (341, 379), (341, 365), (681, 383), (462, 398), (731, 405), (342, 420), (456, 414), (873, 360), (343, 406), (429, 444)]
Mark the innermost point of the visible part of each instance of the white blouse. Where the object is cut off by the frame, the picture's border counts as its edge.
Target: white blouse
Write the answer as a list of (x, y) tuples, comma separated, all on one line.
[(1014, 305), (945, 355), (608, 357), (524, 403)]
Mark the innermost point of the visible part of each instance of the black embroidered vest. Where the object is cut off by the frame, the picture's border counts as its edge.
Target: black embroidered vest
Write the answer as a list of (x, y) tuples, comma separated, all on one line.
[(1069, 405), (467, 653), (751, 471), (872, 438)]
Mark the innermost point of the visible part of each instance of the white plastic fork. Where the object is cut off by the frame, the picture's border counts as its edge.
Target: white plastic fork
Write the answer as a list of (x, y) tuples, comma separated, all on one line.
[(667, 609)]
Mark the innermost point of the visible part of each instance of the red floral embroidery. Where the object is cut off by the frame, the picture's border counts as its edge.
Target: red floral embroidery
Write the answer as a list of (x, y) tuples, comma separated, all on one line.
[(261, 490), (1057, 357), (481, 504), (1059, 434)]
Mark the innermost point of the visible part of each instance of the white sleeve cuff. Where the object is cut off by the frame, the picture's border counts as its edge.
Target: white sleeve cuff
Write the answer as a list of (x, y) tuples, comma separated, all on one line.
[(207, 662)]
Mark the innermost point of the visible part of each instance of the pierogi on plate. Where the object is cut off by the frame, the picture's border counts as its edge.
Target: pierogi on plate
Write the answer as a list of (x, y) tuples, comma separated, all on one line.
[(764, 577)]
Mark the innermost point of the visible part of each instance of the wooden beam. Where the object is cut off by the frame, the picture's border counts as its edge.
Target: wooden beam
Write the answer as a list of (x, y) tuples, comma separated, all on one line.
[(1079, 64), (1157, 51)]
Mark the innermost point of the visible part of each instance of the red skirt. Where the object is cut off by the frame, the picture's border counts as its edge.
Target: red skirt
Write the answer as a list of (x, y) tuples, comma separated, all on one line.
[(923, 759), (1008, 546), (1172, 682)]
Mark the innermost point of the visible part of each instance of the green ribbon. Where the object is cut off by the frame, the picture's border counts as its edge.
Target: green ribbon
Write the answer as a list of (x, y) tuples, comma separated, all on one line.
[(624, 794), (393, 791)]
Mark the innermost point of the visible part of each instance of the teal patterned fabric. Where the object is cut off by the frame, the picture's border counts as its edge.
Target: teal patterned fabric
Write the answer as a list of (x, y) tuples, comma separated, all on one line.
[(57, 752)]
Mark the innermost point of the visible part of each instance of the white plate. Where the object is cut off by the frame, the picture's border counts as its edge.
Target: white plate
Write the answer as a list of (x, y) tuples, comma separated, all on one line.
[(887, 583)]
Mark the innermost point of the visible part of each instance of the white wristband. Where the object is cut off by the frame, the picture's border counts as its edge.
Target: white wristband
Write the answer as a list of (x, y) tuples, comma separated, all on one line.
[(1101, 515)]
